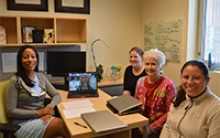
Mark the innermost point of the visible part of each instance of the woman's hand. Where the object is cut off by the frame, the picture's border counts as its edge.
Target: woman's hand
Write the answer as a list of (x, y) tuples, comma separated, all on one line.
[(48, 110), (141, 129), (46, 118), (149, 130), (126, 92)]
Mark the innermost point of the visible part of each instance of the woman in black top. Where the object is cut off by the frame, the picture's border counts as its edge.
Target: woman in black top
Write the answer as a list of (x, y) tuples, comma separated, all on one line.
[(134, 71)]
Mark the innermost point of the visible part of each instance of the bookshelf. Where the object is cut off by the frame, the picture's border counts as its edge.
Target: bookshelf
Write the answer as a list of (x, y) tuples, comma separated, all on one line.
[(67, 31)]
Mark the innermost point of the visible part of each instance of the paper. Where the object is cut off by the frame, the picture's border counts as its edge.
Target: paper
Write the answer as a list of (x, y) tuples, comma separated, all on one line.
[(9, 62), (41, 61), (77, 104), (73, 3), (38, 2), (76, 112), (75, 109), (165, 36)]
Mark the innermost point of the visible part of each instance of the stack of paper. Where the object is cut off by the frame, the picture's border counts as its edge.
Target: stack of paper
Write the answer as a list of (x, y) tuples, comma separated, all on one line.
[(75, 109)]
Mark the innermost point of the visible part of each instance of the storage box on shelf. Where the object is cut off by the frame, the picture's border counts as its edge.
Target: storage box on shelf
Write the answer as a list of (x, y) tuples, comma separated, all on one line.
[(10, 25), (67, 31)]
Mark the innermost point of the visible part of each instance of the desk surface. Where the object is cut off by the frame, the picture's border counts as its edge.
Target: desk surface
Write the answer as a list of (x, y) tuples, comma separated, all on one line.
[(106, 82), (132, 120)]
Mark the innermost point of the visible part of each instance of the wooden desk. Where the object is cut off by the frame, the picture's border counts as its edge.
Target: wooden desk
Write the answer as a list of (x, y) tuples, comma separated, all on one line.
[(132, 120), (106, 82)]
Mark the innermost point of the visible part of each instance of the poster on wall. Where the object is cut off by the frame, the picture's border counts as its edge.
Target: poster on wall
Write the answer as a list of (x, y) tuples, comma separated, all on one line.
[(165, 36), (72, 6), (9, 62)]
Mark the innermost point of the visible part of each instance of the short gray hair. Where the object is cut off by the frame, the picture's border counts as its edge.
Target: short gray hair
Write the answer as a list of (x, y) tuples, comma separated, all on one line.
[(157, 55)]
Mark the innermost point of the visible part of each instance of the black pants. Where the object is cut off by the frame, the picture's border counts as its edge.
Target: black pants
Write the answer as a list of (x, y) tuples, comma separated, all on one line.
[(136, 133)]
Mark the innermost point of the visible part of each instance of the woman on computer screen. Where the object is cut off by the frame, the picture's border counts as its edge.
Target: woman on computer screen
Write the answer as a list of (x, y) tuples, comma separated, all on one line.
[(84, 82)]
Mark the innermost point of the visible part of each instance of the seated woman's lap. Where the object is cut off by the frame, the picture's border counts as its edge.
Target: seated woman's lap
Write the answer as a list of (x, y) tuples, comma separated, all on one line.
[(32, 128)]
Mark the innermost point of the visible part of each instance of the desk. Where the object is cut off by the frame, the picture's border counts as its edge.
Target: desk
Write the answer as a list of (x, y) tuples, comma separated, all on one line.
[(106, 82), (132, 120), (111, 88)]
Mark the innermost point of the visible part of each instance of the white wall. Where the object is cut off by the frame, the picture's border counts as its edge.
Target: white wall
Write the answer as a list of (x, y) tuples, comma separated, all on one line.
[(214, 83), (157, 10), (117, 22), (187, 10)]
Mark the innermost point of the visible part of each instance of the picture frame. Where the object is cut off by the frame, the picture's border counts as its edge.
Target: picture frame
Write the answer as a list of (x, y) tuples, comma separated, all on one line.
[(27, 34), (27, 5), (69, 6)]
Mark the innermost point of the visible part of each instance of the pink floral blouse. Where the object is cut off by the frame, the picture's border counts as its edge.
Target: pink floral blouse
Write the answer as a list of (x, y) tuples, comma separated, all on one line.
[(162, 98)]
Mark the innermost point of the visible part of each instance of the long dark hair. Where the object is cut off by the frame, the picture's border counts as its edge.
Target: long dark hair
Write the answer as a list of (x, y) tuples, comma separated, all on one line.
[(181, 95), (20, 69)]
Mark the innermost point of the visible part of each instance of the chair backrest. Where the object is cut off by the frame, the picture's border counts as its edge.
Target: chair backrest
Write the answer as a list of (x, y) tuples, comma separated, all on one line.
[(3, 90)]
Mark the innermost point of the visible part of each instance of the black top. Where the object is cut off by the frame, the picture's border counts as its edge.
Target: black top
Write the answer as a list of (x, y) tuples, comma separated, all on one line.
[(130, 79)]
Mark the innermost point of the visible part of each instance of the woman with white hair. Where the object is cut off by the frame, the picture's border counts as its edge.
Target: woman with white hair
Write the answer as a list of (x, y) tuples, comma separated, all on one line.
[(155, 91)]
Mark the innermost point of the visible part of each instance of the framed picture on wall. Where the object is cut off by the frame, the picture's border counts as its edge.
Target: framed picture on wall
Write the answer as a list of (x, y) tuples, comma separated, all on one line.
[(72, 6), (27, 5)]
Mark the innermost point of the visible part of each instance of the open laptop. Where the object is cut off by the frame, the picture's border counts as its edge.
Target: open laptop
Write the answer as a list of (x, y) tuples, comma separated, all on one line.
[(82, 84), (124, 104), (102, 121)]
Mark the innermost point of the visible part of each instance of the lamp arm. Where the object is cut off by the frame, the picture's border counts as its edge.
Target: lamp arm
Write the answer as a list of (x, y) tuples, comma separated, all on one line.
[(93, 52)]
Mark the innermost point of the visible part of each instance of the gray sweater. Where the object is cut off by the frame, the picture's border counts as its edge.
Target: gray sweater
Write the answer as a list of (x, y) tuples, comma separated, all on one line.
[(22, 104)]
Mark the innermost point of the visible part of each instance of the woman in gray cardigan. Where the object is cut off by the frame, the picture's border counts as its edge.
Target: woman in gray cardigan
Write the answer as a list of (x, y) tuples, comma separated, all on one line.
[(25, 99)]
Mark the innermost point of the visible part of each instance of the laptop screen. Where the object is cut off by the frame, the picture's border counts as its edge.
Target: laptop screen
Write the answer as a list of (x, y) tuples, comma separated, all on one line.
[(85, 81)]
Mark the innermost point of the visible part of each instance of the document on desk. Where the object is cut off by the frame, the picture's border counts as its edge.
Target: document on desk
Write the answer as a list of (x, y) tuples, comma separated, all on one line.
[(76, 112), (75, 109), (77, 104)]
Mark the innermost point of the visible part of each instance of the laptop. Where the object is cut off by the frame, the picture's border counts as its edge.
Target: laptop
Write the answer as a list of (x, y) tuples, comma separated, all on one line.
[(83, 84), (102, 121), (124, 104)]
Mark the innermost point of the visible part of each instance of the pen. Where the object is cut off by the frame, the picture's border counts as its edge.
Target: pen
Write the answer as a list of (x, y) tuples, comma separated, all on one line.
[(78, 124)]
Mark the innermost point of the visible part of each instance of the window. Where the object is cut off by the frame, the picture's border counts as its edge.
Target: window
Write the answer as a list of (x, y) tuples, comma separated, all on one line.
[(211, 32)]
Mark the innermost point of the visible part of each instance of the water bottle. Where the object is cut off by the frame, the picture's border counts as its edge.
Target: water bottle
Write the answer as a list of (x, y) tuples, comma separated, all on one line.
[(113, 74)]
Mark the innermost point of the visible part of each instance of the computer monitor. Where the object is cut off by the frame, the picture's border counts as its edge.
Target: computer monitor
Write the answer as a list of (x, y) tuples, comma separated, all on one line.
[(60, 63)]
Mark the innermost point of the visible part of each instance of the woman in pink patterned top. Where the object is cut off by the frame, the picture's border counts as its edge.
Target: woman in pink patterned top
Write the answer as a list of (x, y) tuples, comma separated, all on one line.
[(156, 93)]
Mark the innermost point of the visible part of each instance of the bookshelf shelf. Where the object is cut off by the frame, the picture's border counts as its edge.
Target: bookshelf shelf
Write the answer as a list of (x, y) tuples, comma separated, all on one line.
[(67, 31)]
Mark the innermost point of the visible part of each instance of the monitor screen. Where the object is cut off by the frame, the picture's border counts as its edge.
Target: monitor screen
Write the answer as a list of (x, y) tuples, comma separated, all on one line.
[(64, 62), (77, 79)]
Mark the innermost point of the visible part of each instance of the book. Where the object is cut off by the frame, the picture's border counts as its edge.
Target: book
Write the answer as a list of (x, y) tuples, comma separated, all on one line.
[(2, 35), (27, 34), (48, 36), (38, 36)]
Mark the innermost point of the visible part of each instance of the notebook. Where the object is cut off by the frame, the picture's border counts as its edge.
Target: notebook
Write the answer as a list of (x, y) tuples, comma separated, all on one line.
[(124, 104), (82, 84), (102, 121)]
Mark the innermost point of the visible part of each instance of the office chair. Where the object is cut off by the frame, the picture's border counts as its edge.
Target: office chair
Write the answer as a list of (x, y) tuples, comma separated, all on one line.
[(6, 128)]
